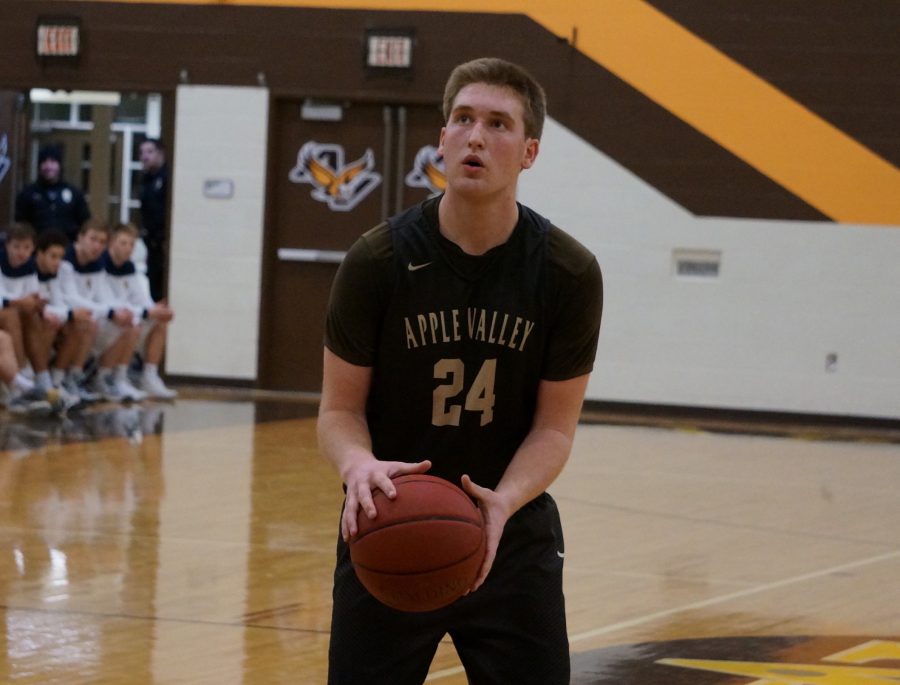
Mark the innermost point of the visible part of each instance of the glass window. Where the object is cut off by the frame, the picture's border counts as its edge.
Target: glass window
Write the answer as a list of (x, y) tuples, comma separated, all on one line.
[(132, 109), (47, 111)]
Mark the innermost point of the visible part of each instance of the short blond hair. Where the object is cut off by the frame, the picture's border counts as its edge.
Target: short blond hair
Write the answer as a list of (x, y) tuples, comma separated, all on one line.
[(498, 72), (94, 225), (127, 227)]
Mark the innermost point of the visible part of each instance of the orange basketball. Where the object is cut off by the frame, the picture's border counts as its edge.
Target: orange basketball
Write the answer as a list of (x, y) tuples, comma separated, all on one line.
[(423, 549)]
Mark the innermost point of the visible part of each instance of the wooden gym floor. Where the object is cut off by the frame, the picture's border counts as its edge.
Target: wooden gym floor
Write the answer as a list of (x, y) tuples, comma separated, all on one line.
[(193, 543)]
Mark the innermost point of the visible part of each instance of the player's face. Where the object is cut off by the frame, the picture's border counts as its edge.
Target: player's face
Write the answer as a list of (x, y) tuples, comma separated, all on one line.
[(120, 247), (49, 170), (49, 260), (90, 245), (151, 157), (484, 143), (19, 251)]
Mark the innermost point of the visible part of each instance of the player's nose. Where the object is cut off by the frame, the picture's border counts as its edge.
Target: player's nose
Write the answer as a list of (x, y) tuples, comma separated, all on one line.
[(476, 135)]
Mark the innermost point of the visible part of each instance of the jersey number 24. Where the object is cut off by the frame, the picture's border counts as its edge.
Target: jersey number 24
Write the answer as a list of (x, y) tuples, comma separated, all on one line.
[(447, 403)]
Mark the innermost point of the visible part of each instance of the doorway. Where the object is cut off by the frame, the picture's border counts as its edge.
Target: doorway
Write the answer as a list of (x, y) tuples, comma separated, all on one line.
[(99, 134), (337, 170)]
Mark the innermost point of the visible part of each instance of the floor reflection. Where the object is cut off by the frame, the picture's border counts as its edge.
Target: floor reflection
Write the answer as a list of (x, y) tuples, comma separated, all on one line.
[(135, 421), (93, 423)]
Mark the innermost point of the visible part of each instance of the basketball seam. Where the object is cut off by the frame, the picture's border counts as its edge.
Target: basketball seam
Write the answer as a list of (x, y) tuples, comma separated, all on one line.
[(455, 519), (436, 480), (418, 573)]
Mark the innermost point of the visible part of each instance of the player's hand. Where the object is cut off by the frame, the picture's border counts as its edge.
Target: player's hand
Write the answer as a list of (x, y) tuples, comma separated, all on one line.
[(496, 512), (82, 314), (123, 317), (30, 303), (366, 477), (161, 312), (51, 318)]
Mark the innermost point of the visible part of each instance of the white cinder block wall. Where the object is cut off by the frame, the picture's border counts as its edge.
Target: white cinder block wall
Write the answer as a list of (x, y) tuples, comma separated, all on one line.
[(757, 337), (216, 244)]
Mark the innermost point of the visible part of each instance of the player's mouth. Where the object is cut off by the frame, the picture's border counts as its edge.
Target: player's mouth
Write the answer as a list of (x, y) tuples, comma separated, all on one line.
[(473, 162)]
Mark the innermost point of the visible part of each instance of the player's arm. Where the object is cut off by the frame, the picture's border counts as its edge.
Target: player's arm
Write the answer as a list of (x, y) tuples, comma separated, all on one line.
[(72, 297), (535, 465), (345, 441)]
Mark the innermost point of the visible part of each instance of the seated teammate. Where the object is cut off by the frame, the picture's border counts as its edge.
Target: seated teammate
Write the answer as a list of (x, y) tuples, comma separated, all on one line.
[(82, 277), (131, 288), (19, 283), (76, 324), (19, 395), (15, 293)]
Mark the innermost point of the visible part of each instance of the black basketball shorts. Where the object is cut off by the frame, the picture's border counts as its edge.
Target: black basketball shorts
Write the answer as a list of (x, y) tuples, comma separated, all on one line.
[(511, 631)]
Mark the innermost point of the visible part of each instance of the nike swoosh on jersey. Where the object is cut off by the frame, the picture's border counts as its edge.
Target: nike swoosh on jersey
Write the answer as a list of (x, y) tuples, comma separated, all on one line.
[(416, 267)]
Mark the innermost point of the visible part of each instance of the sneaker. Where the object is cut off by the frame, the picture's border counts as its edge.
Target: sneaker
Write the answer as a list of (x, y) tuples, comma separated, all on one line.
[(63, 400), (29, 403), (129, 392), (23, 382), (106, 387), (74, 386), (60, 401), (155, 388)]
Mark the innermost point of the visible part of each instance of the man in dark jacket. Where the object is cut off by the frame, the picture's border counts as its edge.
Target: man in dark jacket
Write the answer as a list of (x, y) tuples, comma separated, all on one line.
[(154, 186), (50, 202)]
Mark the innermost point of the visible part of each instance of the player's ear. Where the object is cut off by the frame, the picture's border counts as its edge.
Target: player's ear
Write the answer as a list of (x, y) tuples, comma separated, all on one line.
[(441, 140), (532, 146)]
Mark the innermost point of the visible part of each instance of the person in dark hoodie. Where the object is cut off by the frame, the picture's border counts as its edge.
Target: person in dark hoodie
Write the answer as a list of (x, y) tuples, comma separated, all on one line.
[(154, 189), (50, 202)]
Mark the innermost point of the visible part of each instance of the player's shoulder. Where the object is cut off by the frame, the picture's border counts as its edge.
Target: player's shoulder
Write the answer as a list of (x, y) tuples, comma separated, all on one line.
[(377, 242), (370, 258), (380, 241), (567, 252), (562, 249)]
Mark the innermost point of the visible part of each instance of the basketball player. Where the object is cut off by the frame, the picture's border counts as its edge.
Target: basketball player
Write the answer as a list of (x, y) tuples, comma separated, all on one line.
[(459, 339), (129, 288), (82, 278)]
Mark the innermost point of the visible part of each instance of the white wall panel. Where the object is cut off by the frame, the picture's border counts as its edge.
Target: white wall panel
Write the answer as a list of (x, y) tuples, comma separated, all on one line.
[(756, 337), (216, 244)]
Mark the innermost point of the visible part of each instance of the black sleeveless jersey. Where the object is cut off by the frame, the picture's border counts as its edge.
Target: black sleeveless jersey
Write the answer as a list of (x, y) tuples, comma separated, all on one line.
[(459, 343)]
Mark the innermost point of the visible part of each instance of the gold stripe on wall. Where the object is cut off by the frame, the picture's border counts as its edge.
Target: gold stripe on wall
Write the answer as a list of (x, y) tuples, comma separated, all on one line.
[(699, 84)]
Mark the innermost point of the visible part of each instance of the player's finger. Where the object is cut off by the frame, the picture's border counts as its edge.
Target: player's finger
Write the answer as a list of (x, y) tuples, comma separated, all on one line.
[(485, 569), (348, 519), (364, 495), (383, 482), (473, 489)]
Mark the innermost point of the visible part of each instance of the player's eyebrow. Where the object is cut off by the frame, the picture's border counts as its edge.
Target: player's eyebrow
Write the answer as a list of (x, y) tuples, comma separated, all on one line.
[(494, 113)]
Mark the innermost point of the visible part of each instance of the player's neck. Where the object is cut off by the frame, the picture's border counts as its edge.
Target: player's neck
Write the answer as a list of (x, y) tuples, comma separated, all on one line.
[(83, 257), (477, 226)]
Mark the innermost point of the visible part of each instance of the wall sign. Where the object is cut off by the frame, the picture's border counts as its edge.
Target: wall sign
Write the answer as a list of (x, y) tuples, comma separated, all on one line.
[(59, 37), (389, 49), (340, 185), (218, 188), (428, 171)]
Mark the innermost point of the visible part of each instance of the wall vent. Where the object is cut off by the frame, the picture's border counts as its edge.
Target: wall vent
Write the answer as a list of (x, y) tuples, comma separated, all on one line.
[(696, 263)]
